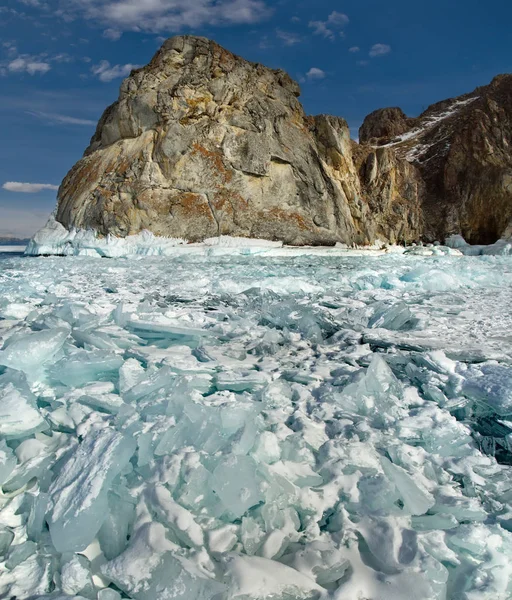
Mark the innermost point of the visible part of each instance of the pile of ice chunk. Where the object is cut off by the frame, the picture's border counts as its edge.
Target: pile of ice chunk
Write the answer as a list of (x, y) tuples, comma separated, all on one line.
[(249, 429), (502, 247)]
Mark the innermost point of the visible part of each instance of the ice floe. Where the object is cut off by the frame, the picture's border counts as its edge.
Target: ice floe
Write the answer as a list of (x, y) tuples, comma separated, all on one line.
[(208, 427)]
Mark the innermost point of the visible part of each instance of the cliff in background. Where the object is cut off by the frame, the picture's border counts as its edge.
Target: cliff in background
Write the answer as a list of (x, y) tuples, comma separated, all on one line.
[(203, 143), (462, 148)]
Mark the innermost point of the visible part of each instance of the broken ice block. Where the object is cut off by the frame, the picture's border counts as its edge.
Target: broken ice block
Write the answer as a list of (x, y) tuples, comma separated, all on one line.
[(29, 351), (397, 317), (114, 533), (19, 414), (416, 500), (239, 381), (76, 577), (83, 367), (79, 501), (235, 481), (432, 522)]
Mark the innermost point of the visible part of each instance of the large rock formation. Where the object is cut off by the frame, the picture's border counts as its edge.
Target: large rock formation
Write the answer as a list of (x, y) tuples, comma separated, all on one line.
[(203, 143), (463, 149)]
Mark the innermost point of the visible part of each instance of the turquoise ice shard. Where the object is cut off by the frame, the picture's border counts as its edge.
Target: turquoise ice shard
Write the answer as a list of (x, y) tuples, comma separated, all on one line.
[(79, 494), (85, 366), (235, 482), (416, 500), (397, 317), (19, 415), (27, 352), (377, 393), (151, 568)]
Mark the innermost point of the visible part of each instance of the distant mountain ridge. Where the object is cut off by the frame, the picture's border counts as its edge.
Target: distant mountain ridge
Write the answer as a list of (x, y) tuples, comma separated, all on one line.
[(15, 241), (203, 143)]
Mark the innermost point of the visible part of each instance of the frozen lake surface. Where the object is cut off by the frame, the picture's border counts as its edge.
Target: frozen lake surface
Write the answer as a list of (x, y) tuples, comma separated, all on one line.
[(250, 428)]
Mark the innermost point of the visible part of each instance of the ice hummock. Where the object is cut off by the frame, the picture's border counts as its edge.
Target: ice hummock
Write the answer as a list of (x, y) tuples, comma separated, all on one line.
[(502, 247), (232, 427), (55, 239)]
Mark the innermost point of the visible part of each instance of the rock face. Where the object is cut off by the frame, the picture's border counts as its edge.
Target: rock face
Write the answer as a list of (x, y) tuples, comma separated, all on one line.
[(385, 123), (203, 143), (462, 148)]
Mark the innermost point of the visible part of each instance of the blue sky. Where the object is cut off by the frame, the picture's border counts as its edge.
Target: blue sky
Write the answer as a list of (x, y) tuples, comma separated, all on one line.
[(62, 61)]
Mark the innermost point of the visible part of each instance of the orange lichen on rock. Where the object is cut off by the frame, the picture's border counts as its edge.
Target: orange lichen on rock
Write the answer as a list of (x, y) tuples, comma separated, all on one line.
[(216, 160)]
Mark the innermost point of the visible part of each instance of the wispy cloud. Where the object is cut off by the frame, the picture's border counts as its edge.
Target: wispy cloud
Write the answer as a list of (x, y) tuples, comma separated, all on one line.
[(165, 15), (28, 188), (335, 22), (112, 34), (107, 72), (54, 118), (379, 50), (288, 38), (36, 3), (315, 73), (354, 49)]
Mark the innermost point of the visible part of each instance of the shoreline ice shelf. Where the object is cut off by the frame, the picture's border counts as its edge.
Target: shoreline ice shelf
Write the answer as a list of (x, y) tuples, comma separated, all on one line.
[(246, 427), (55, 239)]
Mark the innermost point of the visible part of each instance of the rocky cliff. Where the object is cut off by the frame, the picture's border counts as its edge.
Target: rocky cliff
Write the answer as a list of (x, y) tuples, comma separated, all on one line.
[(462, 148), (203, 143)]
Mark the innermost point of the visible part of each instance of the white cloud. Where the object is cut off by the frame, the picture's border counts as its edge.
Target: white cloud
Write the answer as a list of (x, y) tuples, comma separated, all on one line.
[(338, 19), (354, 49), (158, 16), (112, 34), (379, 50), (315, 73), (62, 58), (61, 119), (288, 38), (335, 21), (28, 188), (107, 72), (28, 64)]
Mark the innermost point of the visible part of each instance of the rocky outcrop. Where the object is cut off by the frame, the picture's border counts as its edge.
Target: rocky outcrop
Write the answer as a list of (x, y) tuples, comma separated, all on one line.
[(203, 143), (385, 123), (462, 148)]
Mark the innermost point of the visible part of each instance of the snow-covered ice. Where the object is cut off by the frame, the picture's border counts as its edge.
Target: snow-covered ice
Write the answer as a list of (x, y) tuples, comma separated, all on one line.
[(253, 426)]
